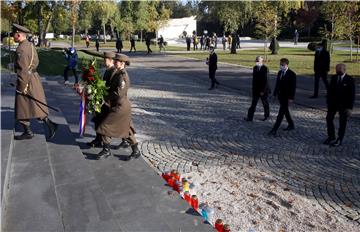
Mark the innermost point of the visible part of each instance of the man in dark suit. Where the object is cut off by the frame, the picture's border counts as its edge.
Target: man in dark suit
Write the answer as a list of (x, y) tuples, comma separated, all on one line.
[(285, 91), (212, 62), (321, 68), (260, 89), (340, 98)]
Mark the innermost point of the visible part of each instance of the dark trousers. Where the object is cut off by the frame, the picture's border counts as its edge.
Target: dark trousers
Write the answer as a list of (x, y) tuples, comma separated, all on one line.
[(97, 47), (118, 50), (188, 46), (132, 47), (323, 76), (212, 78), (283, 111), (67, 69), (265, 102), (148, 48), (343, 117)]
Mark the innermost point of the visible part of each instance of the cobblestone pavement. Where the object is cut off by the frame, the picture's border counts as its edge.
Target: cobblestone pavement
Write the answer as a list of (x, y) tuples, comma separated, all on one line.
[(184, 126)]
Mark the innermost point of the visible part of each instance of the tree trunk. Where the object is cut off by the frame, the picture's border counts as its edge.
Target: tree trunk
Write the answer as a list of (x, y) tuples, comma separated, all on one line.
[(104, 33), (141, 36), (233, 44), (351, 54), (86, 31), (112, 30), (265, 46), (358, 45), (73, 36), (40, 23)]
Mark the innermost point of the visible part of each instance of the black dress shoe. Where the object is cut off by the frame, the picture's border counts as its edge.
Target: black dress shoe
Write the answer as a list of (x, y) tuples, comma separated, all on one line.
[(265, 118), (94, 143), (248, 119), (135, 151), (328, 141), (123, 144), (337, 143), (24, 136), (289, 128), (272, 133)]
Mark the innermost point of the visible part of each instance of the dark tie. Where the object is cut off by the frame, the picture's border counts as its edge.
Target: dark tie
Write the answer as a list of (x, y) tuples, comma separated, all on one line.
[(282, 75)]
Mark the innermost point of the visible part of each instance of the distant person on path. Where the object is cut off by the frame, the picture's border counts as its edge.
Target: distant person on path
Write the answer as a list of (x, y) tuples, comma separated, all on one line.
[(260, 89), (224, 42), (188, 43), (208, 42), (119, 45), (202, 42), (230, 41), (296, 37), (215, 40), (161, 43), (117, 123), (148, 43), (132, 44), (212, 62), (321, 68), (72, 59), (28, 84), (87, 41), (340, 98), (238, 41), (97, 44), (99, 117), (195, 42), (285, 91)]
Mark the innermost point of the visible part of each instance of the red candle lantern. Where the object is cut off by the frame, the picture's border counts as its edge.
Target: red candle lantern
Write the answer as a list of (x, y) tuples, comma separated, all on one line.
[(219, 226), (226, 228), (195, 202), (187, 197)]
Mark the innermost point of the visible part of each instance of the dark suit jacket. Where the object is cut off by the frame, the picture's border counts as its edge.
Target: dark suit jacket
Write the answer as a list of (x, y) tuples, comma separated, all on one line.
[(322, 61), (285, 87), (260, 80), (213, 61), (341, 95)]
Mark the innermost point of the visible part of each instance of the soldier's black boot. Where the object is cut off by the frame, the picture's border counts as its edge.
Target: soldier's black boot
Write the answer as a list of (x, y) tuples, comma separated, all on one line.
[(123, 144), (52, 126), (106, 152), (28, 134), (96, 142), (135, 151)]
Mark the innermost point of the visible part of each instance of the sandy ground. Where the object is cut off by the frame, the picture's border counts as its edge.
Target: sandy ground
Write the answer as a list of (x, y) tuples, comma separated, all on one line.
[(247, 198)]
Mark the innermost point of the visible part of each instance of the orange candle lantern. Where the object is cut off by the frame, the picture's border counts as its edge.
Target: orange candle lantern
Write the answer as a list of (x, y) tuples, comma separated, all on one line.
[(226, 228), (219, 225), (195, 202)]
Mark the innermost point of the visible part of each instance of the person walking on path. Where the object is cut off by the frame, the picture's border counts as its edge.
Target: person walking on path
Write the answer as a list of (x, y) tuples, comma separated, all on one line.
[(202, 42), (28, 86), (188, 43), (340, 98), (97, 44), (132, 44), (285, 91), (296, 37), (72, 59), (99, 117), (87, 41), (260, 89), (117, 122), (148, 43), (215, 40), (321, 68), (212, 62), (119, 45), (223, 40), (161, 43), (195, 42)]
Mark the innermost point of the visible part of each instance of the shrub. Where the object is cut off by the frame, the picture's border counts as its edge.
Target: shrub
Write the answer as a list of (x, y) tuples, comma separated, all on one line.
[(77, 38), (274, 46)]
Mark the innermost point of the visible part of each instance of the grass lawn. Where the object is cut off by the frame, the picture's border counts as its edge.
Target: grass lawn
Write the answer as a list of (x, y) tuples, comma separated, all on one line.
[(301, 60)]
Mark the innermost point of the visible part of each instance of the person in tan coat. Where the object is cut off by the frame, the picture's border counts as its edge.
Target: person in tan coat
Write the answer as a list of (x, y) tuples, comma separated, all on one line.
[(117, 122), (109, 73), (28, 85)]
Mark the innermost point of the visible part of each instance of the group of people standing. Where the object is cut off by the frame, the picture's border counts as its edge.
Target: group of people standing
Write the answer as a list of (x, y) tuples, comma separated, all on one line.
[(340, 96)]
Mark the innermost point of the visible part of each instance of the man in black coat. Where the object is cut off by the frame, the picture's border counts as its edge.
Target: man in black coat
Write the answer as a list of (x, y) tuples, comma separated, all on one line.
[(119, 45), (148, 43), (260, 89), (212, 62), (321, 68), (340, 98), (285, 91)]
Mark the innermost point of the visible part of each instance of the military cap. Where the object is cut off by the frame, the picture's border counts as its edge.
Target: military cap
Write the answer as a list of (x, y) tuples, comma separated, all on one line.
[(121, 57), (19, 28), (110, 55)]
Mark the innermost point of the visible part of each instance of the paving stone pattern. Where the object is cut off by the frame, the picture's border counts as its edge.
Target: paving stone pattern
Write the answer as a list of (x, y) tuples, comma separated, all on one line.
[(184, 126)]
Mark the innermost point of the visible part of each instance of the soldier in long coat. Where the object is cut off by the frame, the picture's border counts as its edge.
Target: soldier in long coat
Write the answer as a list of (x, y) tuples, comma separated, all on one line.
[(28, 85), (109, 73), (117, 122)]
